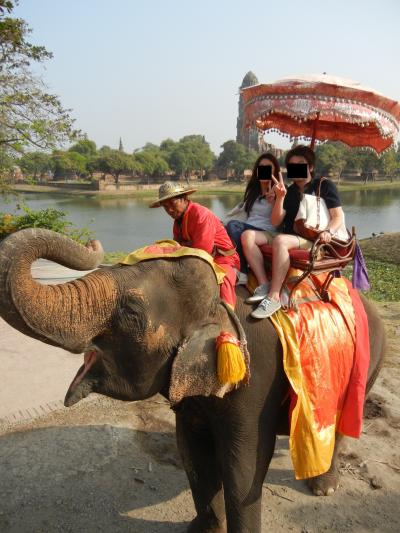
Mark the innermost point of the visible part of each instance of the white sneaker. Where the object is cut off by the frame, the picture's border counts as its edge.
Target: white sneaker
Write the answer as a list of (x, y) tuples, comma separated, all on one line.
[(242, 278), (259, 294), (266, 308)]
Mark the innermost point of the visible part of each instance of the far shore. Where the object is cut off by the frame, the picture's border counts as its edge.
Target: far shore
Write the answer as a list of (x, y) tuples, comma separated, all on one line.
[(209, 187)]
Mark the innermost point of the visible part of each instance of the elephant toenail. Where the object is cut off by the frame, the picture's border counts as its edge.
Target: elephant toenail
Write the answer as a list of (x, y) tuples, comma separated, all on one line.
[(330, 491), (318, 492)]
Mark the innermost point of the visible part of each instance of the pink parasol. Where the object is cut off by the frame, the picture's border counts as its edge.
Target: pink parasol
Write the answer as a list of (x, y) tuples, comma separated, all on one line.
[(321, 107)]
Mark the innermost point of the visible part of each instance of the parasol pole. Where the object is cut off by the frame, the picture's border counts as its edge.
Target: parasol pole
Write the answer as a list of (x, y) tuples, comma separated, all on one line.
[(314, 132)]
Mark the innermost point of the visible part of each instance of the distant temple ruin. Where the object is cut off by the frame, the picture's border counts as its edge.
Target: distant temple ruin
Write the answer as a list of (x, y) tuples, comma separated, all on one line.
[(250, 137)]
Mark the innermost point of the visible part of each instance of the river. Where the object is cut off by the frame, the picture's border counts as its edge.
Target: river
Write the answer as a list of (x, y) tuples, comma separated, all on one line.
[(123, 224)]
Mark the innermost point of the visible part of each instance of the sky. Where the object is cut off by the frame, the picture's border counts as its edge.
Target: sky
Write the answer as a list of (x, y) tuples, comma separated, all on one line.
[(147, 70)]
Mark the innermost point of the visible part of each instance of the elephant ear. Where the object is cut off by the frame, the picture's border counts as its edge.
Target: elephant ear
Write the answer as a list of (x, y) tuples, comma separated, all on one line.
[(194, 370)]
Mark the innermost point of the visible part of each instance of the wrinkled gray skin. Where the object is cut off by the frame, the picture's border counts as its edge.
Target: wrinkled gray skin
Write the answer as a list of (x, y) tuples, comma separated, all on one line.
[(151, 328)]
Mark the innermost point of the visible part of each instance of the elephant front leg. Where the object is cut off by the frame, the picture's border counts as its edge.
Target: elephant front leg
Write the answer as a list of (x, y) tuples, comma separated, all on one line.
[(198, 454), (243, 479), (326, 484)]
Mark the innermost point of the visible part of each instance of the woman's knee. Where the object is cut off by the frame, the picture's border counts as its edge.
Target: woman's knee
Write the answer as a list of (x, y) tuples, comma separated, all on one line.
[(247, 238)]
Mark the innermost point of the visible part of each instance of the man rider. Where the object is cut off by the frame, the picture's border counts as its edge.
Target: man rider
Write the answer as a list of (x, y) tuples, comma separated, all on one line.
[(196, 226)]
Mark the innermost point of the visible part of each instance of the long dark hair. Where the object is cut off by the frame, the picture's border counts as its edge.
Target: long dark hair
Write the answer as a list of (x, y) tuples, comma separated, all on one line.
[(253, 189)]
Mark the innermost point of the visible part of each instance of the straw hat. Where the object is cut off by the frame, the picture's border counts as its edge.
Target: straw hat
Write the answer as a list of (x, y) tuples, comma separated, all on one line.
[(168, 190)]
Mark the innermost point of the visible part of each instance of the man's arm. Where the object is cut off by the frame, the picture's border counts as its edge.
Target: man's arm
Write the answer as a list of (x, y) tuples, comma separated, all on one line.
[(202, 231)]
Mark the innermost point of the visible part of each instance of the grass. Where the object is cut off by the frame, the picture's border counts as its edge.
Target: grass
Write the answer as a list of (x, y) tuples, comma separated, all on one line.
[(384, 279), (110, 258), (360, 186), (382, 256)]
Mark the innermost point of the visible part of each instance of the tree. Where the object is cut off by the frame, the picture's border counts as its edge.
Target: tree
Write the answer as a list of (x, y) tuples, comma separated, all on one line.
[(235, 156), (390, 163), (35, 163), (191, 153), (370, 163), (152, 161), (120, 146), (331, 158), (178, 160), (84, 147), (115, 163), (29, 115), (166, 147), (68, 164)]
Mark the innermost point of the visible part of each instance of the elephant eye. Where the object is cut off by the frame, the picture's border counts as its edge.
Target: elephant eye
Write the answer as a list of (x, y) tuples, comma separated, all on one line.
[(132, 316)]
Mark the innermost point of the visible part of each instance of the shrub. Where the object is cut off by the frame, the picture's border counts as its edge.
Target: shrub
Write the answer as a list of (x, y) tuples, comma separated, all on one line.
[(46, 218)]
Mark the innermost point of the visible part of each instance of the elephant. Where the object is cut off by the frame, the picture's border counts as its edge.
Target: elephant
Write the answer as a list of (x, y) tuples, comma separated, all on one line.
[(150, 328)]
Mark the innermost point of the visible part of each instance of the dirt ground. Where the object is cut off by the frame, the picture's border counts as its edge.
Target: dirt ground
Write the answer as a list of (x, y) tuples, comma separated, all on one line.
[(109, 466)]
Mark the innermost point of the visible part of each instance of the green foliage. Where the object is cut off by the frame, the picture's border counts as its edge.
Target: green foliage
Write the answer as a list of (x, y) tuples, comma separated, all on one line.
[(390, 162), (110, 258), (337, 157), (35, 163), (166, 147), (152, 160), (235, 156), (115, 163), (49, 218), (384, 278), (68, 164), (29, 117), (7, 161), (84, 147), (192, 153), (331, 157)]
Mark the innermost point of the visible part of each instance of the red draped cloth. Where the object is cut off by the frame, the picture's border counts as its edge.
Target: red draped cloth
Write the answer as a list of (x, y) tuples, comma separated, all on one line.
[(326, 359)]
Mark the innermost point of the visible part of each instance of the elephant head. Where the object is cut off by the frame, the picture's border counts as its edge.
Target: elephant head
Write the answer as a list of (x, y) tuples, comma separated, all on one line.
[(144, 328)]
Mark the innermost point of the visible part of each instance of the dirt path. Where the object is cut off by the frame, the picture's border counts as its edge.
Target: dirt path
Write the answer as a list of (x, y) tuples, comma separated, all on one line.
[(108, 466)]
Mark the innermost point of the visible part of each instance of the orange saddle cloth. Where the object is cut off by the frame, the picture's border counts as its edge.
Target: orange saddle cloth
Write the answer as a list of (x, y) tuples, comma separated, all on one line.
[(326, 359)]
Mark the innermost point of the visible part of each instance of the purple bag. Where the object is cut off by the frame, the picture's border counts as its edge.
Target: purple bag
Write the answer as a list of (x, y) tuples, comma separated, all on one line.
[(360, 275)]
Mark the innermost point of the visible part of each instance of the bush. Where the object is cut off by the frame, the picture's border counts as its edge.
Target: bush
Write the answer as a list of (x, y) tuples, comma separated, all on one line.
[(46, 218)]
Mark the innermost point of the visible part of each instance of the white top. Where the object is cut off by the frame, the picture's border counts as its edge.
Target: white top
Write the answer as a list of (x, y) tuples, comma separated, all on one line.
[(260, 215)]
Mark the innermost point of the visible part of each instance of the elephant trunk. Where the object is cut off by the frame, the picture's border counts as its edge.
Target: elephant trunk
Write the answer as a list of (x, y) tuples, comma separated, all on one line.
[(68, 315)]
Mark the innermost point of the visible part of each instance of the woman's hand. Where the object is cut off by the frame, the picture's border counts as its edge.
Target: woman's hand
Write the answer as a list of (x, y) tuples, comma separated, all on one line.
[(279, 187), (325, 236)]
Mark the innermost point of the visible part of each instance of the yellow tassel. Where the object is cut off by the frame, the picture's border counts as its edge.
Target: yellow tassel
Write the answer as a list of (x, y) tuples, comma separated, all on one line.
[(231, 367)]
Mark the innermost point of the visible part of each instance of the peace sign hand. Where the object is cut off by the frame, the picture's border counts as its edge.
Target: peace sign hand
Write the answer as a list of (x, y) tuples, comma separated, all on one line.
[(279, 186)]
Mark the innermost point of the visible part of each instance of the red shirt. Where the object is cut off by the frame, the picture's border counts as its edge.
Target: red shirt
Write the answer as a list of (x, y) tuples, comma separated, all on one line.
[(200, 228)]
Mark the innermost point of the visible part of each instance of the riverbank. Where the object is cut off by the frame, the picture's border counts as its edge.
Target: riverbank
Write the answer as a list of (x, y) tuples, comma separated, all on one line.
[(206, 188)]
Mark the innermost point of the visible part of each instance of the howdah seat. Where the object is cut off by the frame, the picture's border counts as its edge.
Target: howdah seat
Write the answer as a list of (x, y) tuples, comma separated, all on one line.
[(328, 258)]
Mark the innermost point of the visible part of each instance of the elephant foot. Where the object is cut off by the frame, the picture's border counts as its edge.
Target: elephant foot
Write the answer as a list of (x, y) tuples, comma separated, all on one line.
[(207, 524), (325, 484)]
